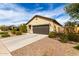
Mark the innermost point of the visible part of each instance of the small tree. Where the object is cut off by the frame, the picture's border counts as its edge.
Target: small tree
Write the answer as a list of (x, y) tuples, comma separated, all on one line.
[(73, 10), (69, 27), (13, 31), (23, 28)]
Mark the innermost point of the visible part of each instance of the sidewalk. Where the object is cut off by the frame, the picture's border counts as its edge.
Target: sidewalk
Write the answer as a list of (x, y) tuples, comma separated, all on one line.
[(3, 50)]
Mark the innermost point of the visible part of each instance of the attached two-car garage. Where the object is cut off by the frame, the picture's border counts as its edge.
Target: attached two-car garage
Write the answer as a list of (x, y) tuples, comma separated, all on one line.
[(43, 25), (41, 29)]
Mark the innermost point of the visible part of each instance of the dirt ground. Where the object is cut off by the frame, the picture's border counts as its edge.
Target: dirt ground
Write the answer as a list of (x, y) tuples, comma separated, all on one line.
[(47, 47)]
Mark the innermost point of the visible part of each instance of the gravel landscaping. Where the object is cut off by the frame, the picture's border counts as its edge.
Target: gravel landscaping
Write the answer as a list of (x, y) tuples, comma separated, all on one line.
[(47, 47)]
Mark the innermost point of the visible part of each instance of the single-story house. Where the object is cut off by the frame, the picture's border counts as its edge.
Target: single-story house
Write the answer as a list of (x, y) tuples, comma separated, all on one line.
[(43, 25)]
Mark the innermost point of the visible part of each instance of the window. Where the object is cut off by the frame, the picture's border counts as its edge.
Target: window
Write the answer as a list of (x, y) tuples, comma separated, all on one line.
[(29, 26)]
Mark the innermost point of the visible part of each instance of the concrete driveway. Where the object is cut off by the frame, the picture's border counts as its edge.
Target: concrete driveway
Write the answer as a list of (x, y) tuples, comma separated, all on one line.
[(13, 43), (3, 50)]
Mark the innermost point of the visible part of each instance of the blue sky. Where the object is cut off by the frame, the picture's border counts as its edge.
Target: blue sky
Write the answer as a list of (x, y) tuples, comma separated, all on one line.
[(15, 14)]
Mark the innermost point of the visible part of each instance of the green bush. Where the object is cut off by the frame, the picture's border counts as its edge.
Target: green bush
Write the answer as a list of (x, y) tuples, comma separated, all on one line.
[(73, 37), (64, 38), (5, 35), (59, 34), (77, 47), (4, 28), (23, 28), (3, 32), (18, 33), (69, 37), (13, 31), (52, 35)]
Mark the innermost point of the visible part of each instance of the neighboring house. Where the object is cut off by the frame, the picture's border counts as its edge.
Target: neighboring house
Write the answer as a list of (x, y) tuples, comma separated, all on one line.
[(43, 25), (13, 26)]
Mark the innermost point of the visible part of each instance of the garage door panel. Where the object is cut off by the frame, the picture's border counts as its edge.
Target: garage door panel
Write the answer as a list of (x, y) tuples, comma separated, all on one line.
[(44, 29)]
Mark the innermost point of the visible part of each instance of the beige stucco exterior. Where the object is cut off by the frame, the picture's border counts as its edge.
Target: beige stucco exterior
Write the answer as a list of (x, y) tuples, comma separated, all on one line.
[(77, 29), (41, 21)]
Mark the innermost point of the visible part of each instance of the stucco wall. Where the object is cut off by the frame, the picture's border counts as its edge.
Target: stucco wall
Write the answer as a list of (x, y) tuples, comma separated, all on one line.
[(77, 30), (42, 21)]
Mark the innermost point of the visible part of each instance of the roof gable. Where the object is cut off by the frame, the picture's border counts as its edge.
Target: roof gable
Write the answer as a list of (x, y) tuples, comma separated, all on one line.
[(53, 20)]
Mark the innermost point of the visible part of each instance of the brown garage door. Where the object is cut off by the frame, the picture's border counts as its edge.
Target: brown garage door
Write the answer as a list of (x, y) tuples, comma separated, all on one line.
[(41, 29)]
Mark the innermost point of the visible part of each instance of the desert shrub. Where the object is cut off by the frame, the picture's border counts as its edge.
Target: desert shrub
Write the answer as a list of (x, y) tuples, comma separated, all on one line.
[(76, 47), (73, 37), (18, 33), (64, 38), (1, 32), (4, 28), (5, 34), (23, 28), (52, 34), (59, 34), (69, 37), (13, 31)]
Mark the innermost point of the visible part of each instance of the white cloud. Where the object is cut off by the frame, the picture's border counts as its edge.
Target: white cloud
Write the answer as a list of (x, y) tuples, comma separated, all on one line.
[(15, 14), (12, 13), (51, 13), (10, 6), (56, 12), (63, 19)]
